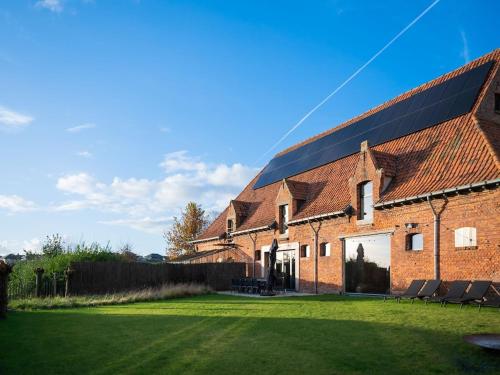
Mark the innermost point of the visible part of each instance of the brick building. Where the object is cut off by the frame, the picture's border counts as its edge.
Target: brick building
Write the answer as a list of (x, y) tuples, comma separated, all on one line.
[(407, 190)]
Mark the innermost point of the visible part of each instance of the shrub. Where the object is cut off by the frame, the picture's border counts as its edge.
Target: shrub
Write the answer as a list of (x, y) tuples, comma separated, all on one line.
[(57, 260)]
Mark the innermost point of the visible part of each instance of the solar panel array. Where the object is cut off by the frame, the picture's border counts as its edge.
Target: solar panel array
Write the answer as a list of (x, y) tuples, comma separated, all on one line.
[(442, 102)]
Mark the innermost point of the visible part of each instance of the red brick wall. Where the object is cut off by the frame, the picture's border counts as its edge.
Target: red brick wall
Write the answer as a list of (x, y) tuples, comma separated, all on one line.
[(476, 209)]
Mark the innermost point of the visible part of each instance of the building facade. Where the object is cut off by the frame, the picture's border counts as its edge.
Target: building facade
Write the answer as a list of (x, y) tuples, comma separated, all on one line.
[(407, 190)]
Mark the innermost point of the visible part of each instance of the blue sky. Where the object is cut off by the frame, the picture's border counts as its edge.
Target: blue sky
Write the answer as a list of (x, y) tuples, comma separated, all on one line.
[(113, 114)]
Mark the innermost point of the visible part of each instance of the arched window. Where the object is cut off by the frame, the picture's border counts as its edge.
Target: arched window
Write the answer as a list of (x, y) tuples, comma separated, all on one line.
[(465, 237), (324, 249), (366, 201)]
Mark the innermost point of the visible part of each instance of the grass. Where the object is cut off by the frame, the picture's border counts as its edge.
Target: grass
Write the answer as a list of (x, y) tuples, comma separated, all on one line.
[(148, 294), (219, 334)]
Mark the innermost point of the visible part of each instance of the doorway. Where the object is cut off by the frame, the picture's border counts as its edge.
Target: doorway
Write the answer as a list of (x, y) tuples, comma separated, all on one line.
[(367, 264), (285, 269)]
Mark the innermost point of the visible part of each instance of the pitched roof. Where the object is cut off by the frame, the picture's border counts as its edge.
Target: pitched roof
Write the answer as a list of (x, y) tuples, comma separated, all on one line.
[(240, 208), (452, 153), (298, 189)]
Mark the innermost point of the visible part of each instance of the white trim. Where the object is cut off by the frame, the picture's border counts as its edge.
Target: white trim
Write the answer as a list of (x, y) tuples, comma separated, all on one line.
[(205, 240), (364, 234), (316, 217), (288, 246), (455, 189), (257, 229)]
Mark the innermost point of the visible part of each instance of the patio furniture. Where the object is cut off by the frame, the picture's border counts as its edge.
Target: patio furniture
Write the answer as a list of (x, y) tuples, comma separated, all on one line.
[(456, 290), (235, 285), (429, 290), (411, 292), (476, 293)]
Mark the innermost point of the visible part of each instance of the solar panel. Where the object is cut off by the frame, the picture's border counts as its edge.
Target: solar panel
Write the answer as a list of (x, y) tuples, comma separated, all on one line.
[(442, 102)]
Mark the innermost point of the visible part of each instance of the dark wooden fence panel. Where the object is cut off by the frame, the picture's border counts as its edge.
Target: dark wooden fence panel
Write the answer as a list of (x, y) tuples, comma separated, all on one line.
[(4, 278), (109, 277)]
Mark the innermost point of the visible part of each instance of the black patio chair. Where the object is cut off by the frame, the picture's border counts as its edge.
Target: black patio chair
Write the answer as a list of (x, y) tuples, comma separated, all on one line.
[(429, 290), (411, 292), (475, 294), (235, 285), (456, 290), (242, 286)]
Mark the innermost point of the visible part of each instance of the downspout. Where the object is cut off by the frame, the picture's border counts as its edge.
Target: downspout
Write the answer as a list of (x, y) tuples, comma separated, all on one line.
[(437, 222), (316, 235)]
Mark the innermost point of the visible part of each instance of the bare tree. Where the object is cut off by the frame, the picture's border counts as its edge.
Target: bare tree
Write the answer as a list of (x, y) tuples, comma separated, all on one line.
[(192, 222)]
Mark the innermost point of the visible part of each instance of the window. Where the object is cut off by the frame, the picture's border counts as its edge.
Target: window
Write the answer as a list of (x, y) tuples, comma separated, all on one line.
[(366, 201), (415, 241), (324, 249), (497, 102), (230, 226), (283, 219), (465, 237), (304, 251), (257, 254)]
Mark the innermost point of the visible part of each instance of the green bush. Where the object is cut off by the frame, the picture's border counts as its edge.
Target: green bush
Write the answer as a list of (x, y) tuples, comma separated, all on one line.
[(23, 276)]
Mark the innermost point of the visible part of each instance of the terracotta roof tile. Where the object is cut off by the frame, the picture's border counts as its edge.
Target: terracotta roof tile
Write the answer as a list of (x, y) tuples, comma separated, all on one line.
[(455, 152)]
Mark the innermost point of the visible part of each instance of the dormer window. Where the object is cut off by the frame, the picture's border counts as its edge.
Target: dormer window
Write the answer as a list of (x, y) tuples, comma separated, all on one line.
[(366, 201), (283, 219), (230, 226)]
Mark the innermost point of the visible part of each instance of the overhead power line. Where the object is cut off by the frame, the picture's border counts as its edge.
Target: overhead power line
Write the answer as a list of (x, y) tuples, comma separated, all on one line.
[(351, 77)]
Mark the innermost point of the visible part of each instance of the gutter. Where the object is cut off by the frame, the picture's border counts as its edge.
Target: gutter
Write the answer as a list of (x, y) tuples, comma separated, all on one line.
[(251, 230), (316, 217), (205, 240), (424, 197)]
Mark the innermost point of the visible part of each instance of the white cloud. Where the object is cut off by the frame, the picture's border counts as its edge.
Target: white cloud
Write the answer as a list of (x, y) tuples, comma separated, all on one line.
[(146, 224), (11, 120), (17, 246), (465, 47), (181, 161), (52, 5), (141, 200), (79, 128), (84, 154), (15, 203), (165, 129)]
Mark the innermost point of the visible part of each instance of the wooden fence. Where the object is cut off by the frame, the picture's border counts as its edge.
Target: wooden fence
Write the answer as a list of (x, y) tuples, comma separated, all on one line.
[(109, 277), (4, 275)]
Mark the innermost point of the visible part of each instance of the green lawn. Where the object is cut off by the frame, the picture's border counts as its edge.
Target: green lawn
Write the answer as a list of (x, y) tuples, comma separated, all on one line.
[(234, 335)]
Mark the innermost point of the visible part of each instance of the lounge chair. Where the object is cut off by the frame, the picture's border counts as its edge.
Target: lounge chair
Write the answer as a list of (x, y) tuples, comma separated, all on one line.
[(456, 291), (235, 285), (411, 292), (429, 290), (476, 293)]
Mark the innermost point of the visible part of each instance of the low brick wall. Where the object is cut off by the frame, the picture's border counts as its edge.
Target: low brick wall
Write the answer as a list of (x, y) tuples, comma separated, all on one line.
[(108, 277)]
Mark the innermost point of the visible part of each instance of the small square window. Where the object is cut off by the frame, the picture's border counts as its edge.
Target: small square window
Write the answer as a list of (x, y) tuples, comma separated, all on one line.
[(257, 255), (324, 249), (304, 251), (465, 237), (415, 241)]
